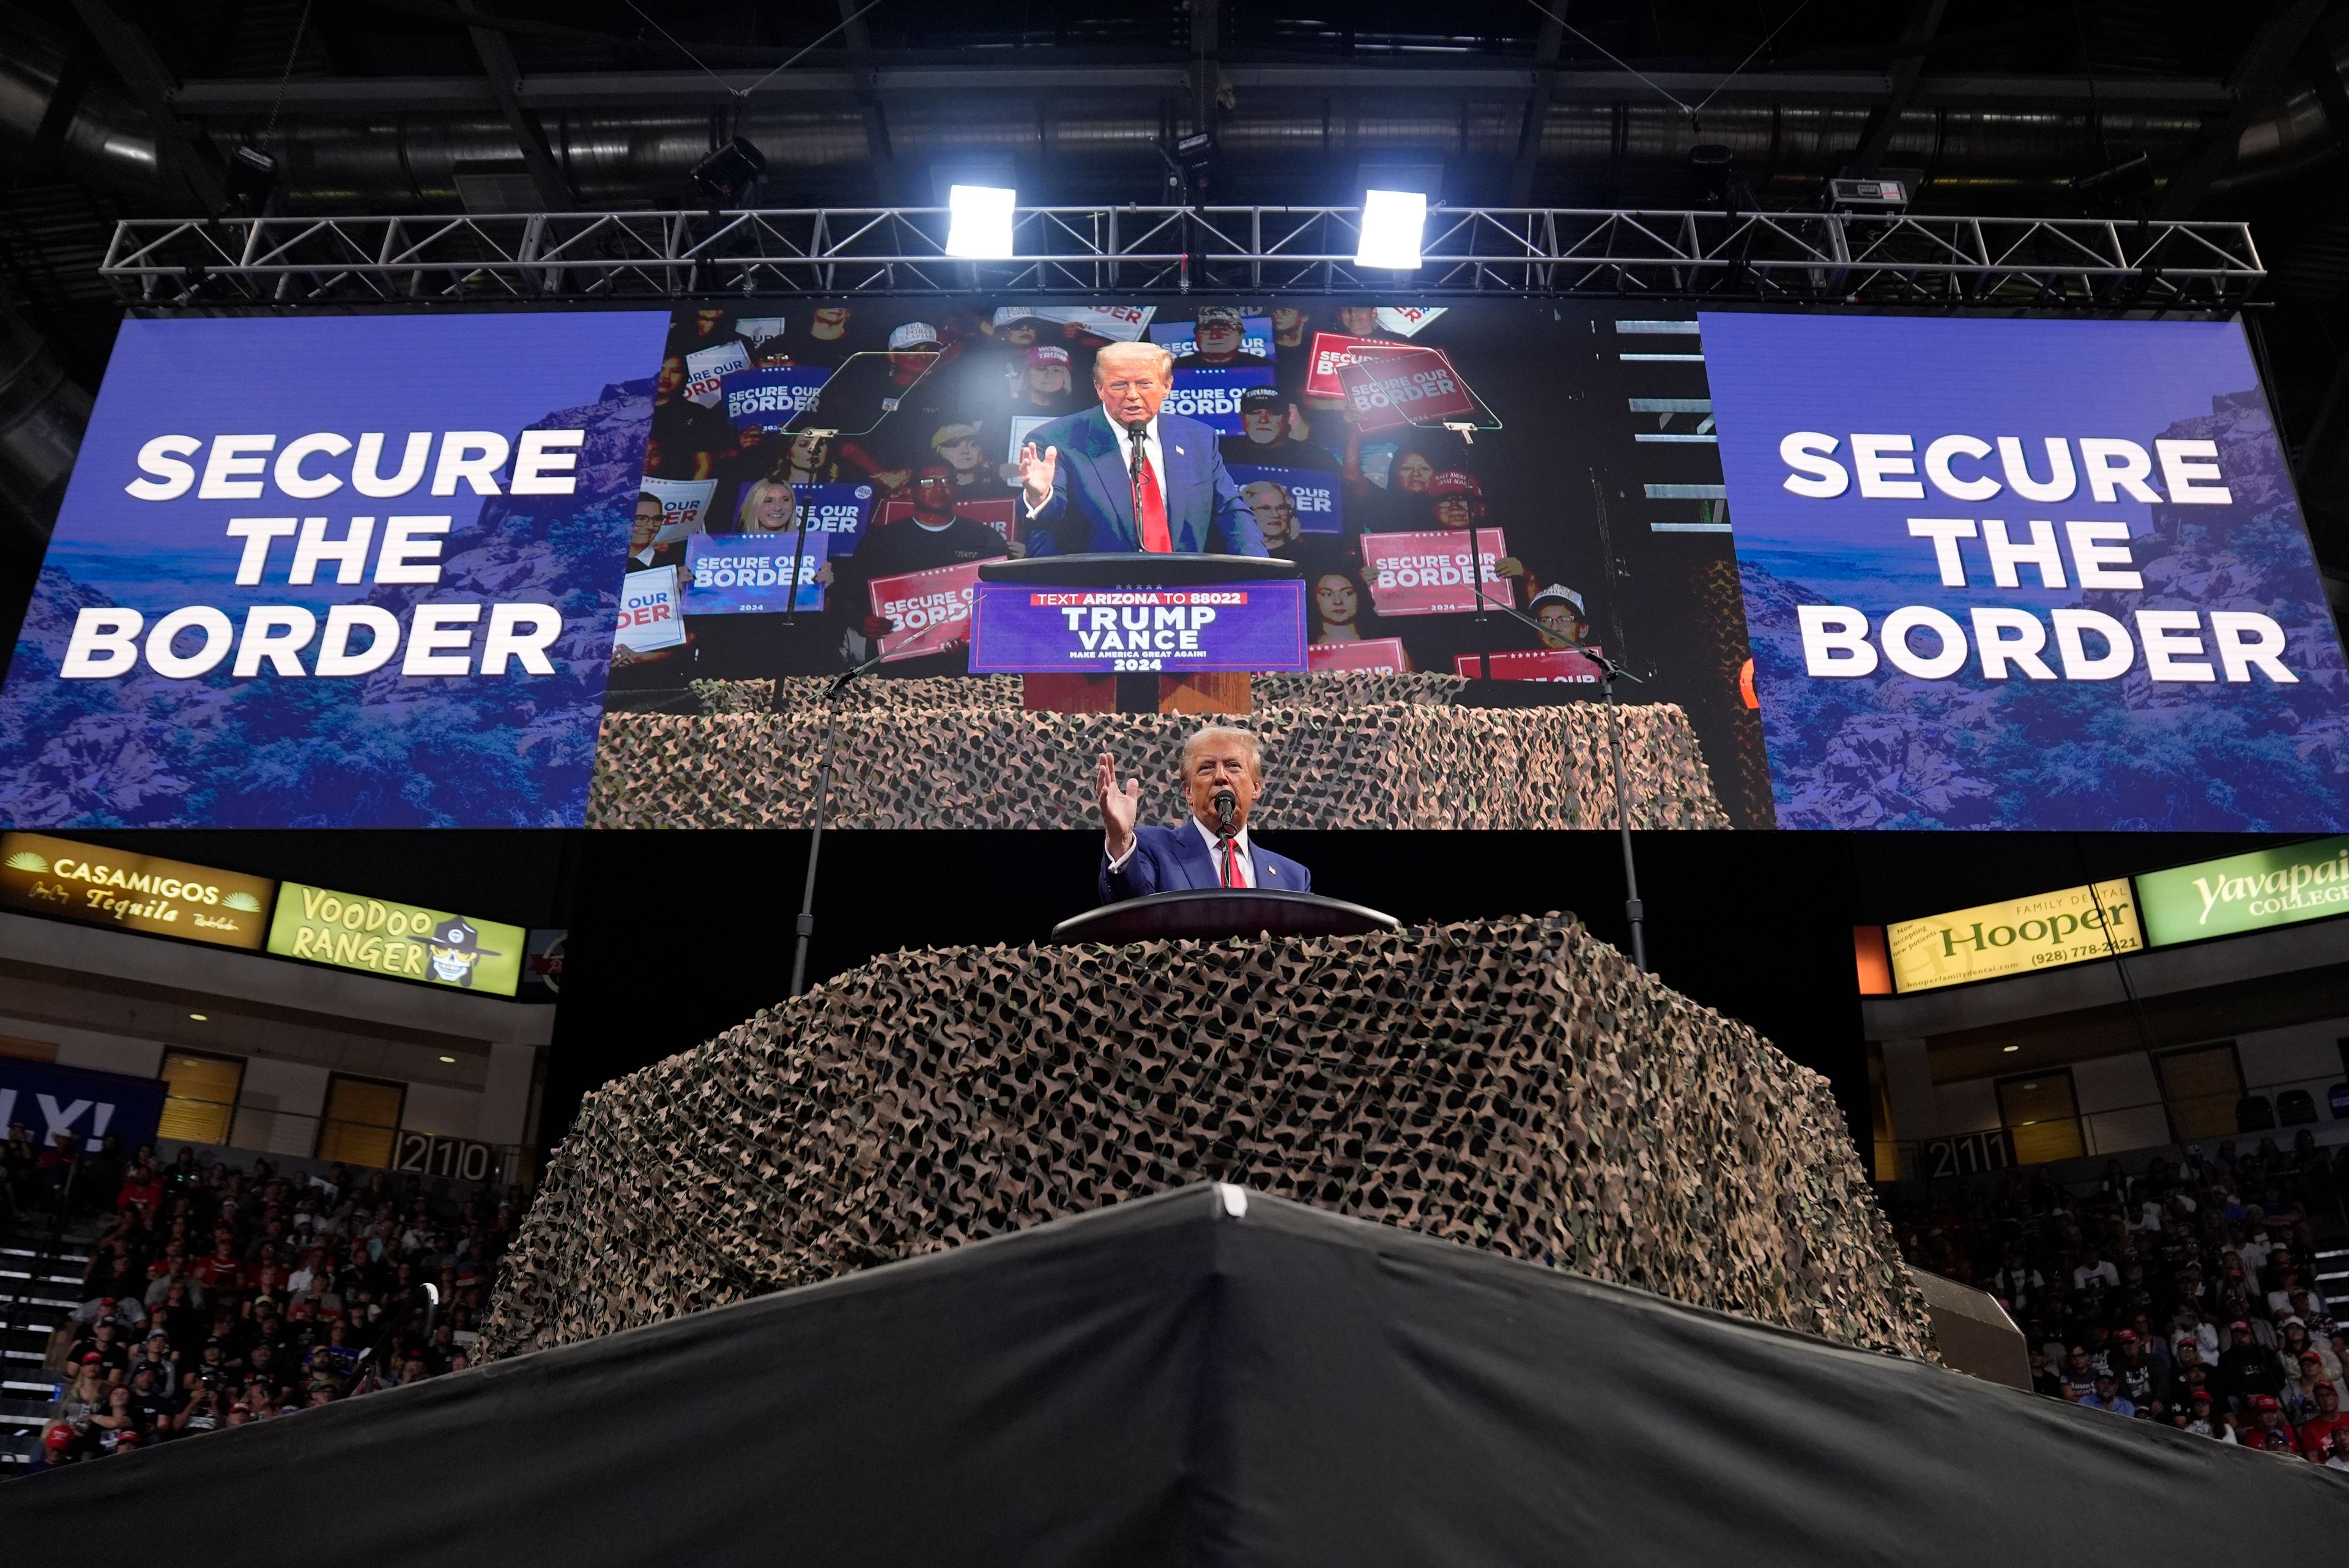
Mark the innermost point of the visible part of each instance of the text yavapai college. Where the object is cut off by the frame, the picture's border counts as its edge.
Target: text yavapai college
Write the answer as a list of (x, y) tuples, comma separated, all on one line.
[(2172, 645), (437, 637)]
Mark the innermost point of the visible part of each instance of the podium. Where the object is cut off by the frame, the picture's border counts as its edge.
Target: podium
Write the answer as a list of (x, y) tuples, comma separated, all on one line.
[(1206, 914), (1270, 637)]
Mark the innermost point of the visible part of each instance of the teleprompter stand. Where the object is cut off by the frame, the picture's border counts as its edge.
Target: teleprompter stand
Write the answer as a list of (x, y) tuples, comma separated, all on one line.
[(1213, 913), (1207, 691)]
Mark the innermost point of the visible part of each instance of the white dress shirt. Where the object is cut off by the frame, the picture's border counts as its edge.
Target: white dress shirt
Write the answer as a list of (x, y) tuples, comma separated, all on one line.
[(1125, 461), (1244, 857)]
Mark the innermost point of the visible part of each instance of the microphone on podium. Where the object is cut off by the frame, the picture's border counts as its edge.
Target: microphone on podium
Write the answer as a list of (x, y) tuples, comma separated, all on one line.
[(1227, 810)]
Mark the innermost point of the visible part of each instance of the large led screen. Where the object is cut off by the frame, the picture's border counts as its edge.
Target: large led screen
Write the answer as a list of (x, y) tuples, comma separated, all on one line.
[(2025, 575), (565, 567)]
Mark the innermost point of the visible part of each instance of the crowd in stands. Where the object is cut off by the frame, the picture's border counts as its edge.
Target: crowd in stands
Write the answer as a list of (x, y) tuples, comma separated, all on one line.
[(2185, 1293), (217, 1296)]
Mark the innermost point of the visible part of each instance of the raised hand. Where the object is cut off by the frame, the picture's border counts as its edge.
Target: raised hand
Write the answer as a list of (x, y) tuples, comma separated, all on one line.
[(1037, 470), (1119, 807)]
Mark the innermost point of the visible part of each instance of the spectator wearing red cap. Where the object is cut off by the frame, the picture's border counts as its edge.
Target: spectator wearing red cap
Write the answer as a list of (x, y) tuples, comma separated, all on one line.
[(2267, 1429), (2316, 1432), (2201, 1422), (59, 1448), (1047, 386), (2143, 1378)]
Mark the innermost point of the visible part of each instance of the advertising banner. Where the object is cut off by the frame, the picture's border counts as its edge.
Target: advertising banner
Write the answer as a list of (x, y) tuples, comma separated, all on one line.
[(2251, 892), (1318, 498), (330, 569), (1565, 664), (841, 513), (706, 370), (1433, 573), (2022, 574), (650, 615), (49, 1099), (931, 609), (750, 573), (1404, 387), (136, 892), (1234, 625), (685, 505), (767, 400), (406, 941), (1379, 655), (1117, 323), (2070, 926)]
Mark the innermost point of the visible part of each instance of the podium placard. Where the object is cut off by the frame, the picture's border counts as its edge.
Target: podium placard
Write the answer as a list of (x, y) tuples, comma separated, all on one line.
[(1138, 633)]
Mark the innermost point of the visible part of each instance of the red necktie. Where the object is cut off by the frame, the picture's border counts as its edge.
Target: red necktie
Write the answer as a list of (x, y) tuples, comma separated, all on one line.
[(1150, 511), (1232, 864)]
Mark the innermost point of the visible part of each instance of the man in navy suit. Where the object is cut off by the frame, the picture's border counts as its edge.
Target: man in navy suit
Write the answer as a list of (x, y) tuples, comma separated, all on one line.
[(1122, 477), (1223, 771)]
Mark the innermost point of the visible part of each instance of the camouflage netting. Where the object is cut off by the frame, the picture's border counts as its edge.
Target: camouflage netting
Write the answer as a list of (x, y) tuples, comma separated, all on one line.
[(1514, 1085), (1354, 751)]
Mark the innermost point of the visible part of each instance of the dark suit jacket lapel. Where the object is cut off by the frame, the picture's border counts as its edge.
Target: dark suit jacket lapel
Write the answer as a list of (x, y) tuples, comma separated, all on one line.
[(1108, 471), (1192, 851)]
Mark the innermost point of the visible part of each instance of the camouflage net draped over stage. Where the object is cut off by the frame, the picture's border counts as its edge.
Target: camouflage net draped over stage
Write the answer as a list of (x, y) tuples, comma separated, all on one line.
[(1514, 1086), (1354, 751)]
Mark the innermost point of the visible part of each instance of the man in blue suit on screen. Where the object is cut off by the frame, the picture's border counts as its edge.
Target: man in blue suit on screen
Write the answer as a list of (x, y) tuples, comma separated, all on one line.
[(1223, 770), (1122, 477)]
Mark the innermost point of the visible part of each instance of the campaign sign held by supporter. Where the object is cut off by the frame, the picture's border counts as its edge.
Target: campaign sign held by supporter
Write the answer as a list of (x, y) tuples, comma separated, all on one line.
[(1315, 496), (1378, 655), (706, 370), (1250, 626), (685, 505), (930, 609), (1331, 354), (1212, 395), (2026, 574), (1565, 664), (1404, 387), (650, 617), (750, 573), (1433, 573), (766, 401), (333, 570), (841, 513)]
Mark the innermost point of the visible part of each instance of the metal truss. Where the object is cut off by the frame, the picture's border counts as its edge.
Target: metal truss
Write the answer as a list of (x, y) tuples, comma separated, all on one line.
[(1822, 257)]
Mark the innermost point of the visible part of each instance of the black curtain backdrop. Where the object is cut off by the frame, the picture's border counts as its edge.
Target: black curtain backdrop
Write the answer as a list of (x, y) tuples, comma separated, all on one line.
[(1207, 1378)]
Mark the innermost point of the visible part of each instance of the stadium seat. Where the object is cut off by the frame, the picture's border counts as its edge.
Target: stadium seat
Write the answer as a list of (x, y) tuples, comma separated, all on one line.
[(2295, 1108), (2254, 1114)]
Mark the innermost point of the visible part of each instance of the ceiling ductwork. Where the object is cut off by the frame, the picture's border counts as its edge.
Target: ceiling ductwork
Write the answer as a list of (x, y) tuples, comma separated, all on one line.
[(1280, 144)]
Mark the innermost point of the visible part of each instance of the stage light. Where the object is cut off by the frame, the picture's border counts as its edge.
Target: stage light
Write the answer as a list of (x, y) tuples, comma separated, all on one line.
[(978, 223), (2009, 1050), (451, 1059), (201, 1017), (728, 173), (1392, 222)]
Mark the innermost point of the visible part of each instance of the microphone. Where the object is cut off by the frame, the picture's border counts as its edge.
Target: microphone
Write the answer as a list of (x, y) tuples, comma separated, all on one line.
[(1136, 432), (1227, 809)]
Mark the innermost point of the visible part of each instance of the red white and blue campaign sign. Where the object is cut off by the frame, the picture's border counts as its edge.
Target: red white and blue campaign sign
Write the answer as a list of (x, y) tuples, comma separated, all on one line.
[(841, 513), (2026, 574), (750, 573), (1017, 629), (357, 571), (766, 401), (1318, 498)]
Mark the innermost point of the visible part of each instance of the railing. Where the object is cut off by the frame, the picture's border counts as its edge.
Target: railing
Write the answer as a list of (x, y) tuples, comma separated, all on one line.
[(1828, 257), (296, 1141)]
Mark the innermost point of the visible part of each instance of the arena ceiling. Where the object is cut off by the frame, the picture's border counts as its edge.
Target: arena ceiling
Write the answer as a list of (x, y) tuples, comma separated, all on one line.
[(2115, 107)]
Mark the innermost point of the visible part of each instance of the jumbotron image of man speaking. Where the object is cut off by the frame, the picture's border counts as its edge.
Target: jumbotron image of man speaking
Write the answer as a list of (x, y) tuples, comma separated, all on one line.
[(1122, 477), (1223, 773)]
